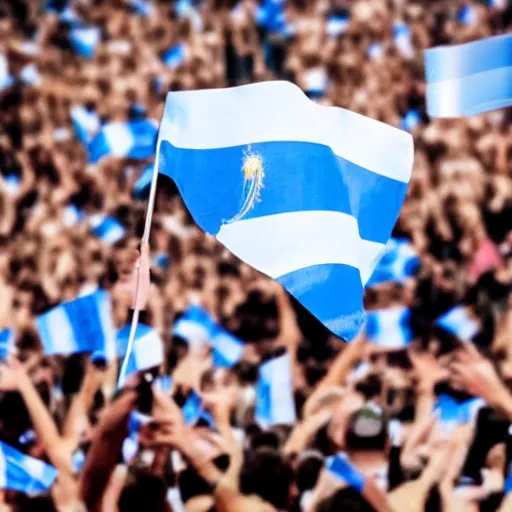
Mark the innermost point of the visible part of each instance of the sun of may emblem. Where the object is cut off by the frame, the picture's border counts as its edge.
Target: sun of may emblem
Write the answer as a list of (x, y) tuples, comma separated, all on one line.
[(252, 168)]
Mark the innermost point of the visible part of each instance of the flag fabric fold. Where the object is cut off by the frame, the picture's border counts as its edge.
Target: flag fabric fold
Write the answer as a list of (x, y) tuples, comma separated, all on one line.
[(469, 79), (23, 473), (303, 193)]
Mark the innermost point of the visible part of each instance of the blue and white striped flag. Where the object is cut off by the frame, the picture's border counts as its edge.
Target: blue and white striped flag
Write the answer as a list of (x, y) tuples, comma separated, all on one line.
[(81, 325), (275, 404), (304, 193), (85, 40), (144, 181), (175, 56), (109, 229), (411, 119), (227, 348), (85, 122), (23, 473), (390, 328), (400, 262), (193, 410), (341, 468), (133, 139), (458, 322), (147, 351), (452, 413), (194, 326), (402, 38), (469, 79), (7, 339)]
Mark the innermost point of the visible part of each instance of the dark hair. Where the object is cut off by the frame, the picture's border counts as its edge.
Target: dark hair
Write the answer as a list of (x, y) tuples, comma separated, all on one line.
[(345, 499), (36, 504), (147, 492), (308, 471), (265, 474), (192, 485)]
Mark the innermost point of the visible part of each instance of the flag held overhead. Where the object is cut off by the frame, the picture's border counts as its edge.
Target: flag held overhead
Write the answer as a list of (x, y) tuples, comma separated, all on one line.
[(303, 193)]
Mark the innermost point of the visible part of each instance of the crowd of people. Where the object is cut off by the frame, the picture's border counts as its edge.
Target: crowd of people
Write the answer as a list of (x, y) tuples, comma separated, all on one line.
[(373, 415)]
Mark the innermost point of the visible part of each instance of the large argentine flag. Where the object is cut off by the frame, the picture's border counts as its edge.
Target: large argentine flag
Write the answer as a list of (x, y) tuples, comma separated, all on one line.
[(23, 473), (469, 79), (305, 194)]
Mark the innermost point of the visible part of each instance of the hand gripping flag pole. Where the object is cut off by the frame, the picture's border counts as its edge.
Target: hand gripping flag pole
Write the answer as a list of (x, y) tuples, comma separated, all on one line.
[(141, 276)]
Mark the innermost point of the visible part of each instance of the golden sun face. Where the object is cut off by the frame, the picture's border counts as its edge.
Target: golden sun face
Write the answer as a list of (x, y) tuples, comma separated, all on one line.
[(252, 166)]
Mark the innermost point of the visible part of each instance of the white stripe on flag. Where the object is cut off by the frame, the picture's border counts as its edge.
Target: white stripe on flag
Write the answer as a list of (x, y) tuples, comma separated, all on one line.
[(279, 111), (119, 138), (279, 244), (60, 330)]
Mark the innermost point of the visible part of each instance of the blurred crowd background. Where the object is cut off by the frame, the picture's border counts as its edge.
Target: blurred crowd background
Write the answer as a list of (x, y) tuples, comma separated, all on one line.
[(362, 55)]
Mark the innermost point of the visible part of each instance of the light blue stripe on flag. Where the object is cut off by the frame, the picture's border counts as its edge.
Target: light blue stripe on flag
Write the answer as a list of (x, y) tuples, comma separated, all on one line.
[(458, 322), (133, 139), (400, 261), (193, 410), (227, 348), (81, 325), (469, 79), (7, 339), (194, 326), (109, 229), (341, 468), (337, 25), (147, 351), (275, 404), (84, 40), (85, 123), (304, 193), (453, 413), (390, 328), (23, 473)]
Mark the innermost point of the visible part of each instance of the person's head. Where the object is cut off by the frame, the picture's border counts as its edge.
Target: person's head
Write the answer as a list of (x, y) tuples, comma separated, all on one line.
[(345, 499), (266, 475), (146, 492)]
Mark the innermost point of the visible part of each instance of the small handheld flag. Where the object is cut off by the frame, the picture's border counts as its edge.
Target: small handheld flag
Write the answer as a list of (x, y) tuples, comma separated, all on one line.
[(84, 40), (81, 325), (275, 403), (304, 193), (458, 322), (147, 351), (390, 328), (133, 139), (469, 79), (23, 473), (398, 263)]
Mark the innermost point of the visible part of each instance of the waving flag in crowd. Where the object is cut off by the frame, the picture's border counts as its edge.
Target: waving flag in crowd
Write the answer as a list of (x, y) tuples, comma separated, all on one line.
[(275, 403), (197, 326), (81, 325), (20, 472), (390, 328), (305, 194), (399, 262), (469, 79), (148, 348), (132, 139), (7, 338), (458, 322)]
